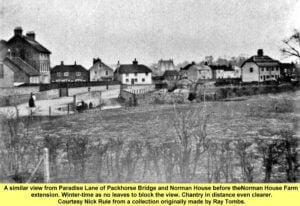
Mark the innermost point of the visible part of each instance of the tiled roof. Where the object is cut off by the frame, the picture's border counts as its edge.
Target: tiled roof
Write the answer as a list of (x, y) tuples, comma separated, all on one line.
[(101, 64), (132, 68), (68, 68), (263, 61), (171, 73), (23, 66), (33, 43), (221, 67), (196, 66)]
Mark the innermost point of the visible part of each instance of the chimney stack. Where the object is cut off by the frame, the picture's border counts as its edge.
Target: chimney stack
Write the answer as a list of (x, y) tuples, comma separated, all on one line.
[(62, 63), (31, 35), (135, 61), (18, 31), (75, 63), (260, 52)]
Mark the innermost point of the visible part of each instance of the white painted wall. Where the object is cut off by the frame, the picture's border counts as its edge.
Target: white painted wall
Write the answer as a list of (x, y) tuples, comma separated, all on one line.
[(127, 78), (248, 76)]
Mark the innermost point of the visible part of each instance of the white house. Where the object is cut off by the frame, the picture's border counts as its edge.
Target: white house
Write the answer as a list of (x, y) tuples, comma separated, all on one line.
[(223, 72), (260, 68), (133, 74), (100, 71)]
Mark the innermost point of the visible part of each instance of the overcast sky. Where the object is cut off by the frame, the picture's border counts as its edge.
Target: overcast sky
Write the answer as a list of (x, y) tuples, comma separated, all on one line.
[(151, 29)]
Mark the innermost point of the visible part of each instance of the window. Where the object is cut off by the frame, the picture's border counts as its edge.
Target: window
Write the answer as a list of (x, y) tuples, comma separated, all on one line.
[(66, 74), (251, 69), (106, 73), (262, 69), (127, 80), (78, 74), (95, 72), (1, 71), (143, 80), (58, 74), (135, 80)]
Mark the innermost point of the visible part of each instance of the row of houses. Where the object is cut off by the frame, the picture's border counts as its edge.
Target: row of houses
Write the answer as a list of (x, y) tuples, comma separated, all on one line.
[(24, 60)]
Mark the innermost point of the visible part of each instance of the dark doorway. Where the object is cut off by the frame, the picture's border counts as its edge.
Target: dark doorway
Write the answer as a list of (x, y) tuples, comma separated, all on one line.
[(63, 92)]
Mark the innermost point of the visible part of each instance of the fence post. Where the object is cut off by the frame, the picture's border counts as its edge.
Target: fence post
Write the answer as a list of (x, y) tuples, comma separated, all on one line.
[(49, 111), (74, 102), (68, 109), (46, 166)]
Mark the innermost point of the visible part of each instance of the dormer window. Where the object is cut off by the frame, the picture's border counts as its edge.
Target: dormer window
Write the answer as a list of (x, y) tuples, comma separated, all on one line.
[(251, 69)]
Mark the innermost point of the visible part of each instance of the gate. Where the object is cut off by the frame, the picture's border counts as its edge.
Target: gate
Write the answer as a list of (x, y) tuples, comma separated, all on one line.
[(63, 92)]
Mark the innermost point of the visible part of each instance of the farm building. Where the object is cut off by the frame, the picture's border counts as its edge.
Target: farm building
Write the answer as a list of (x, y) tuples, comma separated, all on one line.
[(69, 73), (133, 73), (260, 68), (287, 69), (223, 72), (171, 75), (195, 72), (100, 71)]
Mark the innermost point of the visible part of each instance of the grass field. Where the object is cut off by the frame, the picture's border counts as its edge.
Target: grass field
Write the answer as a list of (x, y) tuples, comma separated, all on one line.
[(141, 144)]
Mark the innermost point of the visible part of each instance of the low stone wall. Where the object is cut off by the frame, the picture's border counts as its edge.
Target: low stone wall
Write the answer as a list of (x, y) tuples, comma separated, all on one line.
[(9, 91), (80, 90)]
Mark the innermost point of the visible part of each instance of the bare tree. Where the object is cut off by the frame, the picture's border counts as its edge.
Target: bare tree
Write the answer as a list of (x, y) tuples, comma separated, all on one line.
[(190, 127), (292, 45)]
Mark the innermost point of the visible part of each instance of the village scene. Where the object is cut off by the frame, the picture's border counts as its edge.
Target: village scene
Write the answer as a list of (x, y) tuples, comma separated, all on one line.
[(209, 119)]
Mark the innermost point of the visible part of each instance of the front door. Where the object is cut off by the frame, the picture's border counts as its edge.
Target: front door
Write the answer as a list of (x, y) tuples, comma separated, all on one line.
[(132, 81)]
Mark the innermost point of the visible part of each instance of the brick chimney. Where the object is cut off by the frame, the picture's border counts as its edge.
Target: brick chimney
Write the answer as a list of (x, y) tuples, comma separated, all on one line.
[(95, 60), (18, 31), (31, 35), (260, 52), (135, 61), (62, 63)]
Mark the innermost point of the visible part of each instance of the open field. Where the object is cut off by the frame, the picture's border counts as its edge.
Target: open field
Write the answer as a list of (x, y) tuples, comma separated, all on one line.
[(158, 143)]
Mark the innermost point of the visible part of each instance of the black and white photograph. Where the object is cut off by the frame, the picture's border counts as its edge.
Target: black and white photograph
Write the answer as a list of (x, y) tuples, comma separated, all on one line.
[(149, 91)]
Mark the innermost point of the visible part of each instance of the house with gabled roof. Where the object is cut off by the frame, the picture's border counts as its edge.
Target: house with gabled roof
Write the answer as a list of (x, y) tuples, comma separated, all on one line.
[(260, 68), (133, 73), (195, 72), (100, 71), (69, 73), (14, 71), (29, 50)]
